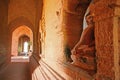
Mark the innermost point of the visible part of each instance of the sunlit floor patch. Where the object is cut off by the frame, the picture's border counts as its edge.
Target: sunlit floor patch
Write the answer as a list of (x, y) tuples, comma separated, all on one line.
[(20, 59)]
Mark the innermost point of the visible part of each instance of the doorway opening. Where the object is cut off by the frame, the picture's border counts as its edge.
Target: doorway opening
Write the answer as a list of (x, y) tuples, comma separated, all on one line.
[(22, 44)]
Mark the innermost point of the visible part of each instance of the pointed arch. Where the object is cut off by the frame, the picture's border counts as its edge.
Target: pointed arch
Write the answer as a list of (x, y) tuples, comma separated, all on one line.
[(16, 34)]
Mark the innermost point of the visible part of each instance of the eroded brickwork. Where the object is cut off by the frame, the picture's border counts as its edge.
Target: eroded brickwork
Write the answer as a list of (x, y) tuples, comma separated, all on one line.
[(104, 38)]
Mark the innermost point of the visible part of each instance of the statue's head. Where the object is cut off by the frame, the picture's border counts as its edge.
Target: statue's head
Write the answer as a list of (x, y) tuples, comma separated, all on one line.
[(89, 18)]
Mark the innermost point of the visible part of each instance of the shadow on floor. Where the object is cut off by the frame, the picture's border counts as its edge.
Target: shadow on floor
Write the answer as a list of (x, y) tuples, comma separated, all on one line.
[(34, 63), (16, 71)]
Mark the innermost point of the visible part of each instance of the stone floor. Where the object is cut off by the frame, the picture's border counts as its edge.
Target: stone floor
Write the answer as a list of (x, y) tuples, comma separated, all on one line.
[(16, 71)]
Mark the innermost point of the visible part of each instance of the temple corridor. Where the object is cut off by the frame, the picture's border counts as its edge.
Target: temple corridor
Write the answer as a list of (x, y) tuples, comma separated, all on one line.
[(59, 39), (21, 69)]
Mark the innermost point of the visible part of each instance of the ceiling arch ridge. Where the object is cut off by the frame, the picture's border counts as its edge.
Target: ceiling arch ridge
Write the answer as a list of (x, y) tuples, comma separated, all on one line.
[(19, 21)]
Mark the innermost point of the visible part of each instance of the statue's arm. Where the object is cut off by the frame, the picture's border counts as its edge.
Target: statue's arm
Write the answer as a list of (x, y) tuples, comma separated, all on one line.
[(92, 43)]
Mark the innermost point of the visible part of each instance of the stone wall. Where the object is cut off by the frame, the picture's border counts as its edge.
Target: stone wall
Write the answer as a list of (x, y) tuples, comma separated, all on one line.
[(4, 40), (51, 30), (117, 13), (61, 24), (106, 39), (73, 16), (119, 43)]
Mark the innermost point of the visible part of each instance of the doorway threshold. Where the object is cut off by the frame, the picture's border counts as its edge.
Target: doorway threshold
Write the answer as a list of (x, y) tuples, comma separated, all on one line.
[(20, 59)]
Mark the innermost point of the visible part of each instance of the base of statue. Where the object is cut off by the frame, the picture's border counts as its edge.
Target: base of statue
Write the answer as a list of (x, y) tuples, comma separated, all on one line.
[(84, 62)]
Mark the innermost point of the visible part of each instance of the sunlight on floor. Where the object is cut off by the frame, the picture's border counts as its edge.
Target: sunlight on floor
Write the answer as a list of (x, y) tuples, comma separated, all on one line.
[(20, 59)]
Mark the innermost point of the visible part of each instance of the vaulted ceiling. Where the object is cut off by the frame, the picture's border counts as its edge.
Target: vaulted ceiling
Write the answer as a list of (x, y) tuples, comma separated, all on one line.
[(24, 12)]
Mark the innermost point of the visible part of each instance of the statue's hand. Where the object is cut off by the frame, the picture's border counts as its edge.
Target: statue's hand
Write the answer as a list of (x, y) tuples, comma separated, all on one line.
[(73, 51)]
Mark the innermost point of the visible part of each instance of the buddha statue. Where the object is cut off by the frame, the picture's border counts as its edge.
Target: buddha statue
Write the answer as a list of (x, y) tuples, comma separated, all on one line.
[(83, 54)]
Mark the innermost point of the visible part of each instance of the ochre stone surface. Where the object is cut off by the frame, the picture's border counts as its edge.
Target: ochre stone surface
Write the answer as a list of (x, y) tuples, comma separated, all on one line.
[(53, 35), (4, 40), (60, 24), (73, 14), (24, 8), (119, 41), (104, 17)]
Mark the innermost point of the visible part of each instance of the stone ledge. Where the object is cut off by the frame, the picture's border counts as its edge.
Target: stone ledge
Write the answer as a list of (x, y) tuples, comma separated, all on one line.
[(80, 73)]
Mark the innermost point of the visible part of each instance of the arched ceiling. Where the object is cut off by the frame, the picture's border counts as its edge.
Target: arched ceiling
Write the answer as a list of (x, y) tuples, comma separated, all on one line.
[(19, 21), (24, 8)]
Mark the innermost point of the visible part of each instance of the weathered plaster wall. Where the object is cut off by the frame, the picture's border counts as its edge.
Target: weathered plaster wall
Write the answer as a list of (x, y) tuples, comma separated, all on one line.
[(52, 37), (117, 14), (106, 39), (53, 30), (37, 47), (119, 32), (4, 40)]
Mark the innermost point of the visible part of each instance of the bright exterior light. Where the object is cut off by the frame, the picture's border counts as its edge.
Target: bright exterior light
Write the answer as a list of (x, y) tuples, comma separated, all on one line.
[(25, 47)]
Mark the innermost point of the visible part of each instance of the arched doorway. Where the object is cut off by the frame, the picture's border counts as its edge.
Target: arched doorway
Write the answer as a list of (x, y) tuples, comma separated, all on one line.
[(21, 35), (24, 45)]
